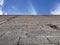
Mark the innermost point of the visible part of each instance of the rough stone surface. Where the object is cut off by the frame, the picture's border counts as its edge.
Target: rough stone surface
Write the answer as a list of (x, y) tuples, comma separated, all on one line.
[(29, 30)]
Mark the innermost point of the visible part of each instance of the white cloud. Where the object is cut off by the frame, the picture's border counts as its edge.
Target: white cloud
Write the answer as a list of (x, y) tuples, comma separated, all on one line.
[(1, 4), (5, 13), (1, 12), (56, 9)]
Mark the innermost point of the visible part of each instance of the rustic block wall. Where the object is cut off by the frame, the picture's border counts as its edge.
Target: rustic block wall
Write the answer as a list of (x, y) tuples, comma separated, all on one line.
[(29, 30)]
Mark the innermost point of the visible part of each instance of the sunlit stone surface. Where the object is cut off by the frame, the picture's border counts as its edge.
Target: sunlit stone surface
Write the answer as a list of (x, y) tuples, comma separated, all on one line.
[(29, 30)]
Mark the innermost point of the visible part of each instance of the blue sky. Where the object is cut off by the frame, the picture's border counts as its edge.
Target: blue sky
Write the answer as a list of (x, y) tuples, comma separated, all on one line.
[(29, 7)]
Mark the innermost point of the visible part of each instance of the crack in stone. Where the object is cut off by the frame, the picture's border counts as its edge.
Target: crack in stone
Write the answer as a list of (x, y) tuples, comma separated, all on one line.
[(2, 34), (53, 26), (18, 41), (49, 41)]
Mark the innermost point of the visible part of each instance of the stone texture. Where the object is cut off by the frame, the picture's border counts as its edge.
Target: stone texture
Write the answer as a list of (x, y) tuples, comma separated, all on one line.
[(29, 30)]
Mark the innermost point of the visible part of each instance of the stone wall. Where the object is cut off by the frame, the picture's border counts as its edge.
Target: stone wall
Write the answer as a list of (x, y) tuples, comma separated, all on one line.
[(29, 30)]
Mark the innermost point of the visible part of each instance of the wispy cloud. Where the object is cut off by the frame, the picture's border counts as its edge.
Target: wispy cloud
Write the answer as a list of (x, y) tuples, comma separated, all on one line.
[(56, 9), (32, 9), (1, 4)]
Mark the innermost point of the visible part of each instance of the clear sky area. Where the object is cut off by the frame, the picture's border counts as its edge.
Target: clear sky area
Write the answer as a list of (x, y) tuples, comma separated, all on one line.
[(29, 7)]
